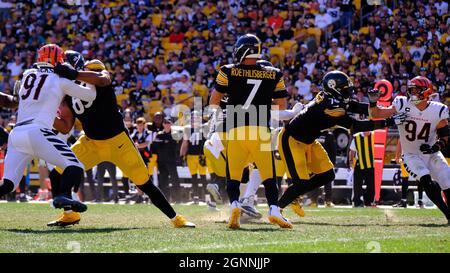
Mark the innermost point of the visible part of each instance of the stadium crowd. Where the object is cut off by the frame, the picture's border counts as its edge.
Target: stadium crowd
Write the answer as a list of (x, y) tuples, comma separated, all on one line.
[(162, 53)]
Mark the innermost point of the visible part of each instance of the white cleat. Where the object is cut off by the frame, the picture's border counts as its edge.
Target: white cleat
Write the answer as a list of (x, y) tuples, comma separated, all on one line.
[(275, 217)]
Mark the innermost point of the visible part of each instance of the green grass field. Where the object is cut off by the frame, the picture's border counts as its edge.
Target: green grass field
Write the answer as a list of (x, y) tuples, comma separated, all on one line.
[(142, 228)]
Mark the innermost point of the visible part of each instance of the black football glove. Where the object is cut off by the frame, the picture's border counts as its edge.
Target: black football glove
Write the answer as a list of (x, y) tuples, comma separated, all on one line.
[(374, 95), (66, 71), (427, 149)]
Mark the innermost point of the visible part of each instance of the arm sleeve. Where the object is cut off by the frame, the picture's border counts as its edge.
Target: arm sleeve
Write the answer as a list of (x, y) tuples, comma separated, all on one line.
[(367, 125), (280, 90), (221, 84), (70, 88), (358, 108)]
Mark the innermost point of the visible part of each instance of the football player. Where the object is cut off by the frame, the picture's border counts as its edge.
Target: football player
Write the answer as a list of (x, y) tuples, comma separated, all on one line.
[(41, 92), (106, 139), (424, 134), (297, 142), (251, 88)]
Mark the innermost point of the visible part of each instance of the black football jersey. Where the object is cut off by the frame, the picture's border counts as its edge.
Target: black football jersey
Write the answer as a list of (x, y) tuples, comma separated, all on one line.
[(101, 118), (250, 90), (322, 113)]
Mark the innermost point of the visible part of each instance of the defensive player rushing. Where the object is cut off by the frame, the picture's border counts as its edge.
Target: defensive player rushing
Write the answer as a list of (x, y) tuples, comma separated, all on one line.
[(422, 136), (40, 94), (297, 142), (106, 139), (251, 90)]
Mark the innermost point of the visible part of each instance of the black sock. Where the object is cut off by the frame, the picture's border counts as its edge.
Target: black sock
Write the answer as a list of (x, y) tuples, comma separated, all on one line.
[(433, 192), (71, 176), (271, 190), (404, 187), (55, 181), (447, 197), (303, 186), (7, 187), (233, 190), (420, 190), (126, 185), (157, 198)]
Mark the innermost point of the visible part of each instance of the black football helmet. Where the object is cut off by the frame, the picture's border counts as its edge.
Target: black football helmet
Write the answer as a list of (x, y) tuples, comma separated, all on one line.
[(338, 85), (75, 59), (247, 46)]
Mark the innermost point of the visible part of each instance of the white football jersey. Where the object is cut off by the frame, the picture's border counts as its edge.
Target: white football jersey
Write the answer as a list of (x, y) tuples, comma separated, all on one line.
[(41, 92), (420, 126)]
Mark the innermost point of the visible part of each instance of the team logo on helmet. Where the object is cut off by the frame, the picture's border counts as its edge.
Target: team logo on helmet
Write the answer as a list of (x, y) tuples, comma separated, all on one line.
[(331, 84)]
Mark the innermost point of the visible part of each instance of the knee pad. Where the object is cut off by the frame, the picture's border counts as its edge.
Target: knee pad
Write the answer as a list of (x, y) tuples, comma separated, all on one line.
[(7, 187)]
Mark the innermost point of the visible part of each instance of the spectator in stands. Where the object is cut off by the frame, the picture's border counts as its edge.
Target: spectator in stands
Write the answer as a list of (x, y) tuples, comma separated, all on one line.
[(146, 77), (304, 86), (286, 33), (16, 66)]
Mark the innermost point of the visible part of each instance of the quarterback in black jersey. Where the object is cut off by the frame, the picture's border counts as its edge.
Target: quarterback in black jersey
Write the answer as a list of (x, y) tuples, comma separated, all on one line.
[(252, 88), (297, 142), (106, 139)]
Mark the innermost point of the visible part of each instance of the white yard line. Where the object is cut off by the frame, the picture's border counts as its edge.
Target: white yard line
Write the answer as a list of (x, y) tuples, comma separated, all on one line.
[(290, 242)]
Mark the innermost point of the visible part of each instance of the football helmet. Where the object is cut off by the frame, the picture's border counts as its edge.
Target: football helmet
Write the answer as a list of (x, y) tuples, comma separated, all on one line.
[(247, 46), (95, 65), (419, 89), (338, 85), (50, 53), (264, 63), (75, 59)]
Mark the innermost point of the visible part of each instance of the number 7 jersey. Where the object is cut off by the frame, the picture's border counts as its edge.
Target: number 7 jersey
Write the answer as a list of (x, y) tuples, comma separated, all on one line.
[(420, 126), (250, 88)]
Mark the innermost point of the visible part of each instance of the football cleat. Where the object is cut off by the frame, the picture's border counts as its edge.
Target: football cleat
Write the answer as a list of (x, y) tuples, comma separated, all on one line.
[(66, 219), (297, 207), (213, 189), (313, 205), (236, 211), (275, 217), (248, 207), (329, 204), (181, 222), (401, 204), (212, 206), (420, 204), (63, 202)]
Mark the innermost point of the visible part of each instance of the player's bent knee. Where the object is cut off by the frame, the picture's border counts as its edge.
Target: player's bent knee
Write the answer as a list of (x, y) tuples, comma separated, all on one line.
[(7, 187), (140, 178)]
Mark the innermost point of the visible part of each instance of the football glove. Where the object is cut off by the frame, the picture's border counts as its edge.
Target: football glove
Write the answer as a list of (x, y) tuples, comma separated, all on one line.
[(396, 119), (427, 149), (374, 95), (66, 71)]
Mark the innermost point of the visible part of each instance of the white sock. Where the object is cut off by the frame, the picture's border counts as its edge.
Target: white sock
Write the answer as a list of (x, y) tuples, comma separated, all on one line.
[(253, 184), (174, 217)]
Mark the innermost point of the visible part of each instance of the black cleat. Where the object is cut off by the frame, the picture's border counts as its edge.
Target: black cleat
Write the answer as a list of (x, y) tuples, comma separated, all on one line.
[(63, 202), (401, 204)]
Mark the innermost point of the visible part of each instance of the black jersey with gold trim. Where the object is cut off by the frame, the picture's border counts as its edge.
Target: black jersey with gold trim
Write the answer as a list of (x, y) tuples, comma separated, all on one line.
[(249, 87), (322, 113), (100, 118)]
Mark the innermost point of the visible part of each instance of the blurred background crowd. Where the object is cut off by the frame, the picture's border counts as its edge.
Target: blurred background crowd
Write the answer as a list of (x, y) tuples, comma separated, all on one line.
[(163, 53)]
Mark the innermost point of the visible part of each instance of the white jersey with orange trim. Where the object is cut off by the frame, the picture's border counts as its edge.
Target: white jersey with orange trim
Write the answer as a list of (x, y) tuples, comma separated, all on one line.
[(41, 91), (420, 126)]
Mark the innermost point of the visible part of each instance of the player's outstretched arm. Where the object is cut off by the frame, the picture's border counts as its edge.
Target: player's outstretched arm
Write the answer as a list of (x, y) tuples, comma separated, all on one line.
[(101, 78), (374, 110), (72, 89), (8, 101), (96, 78), (214, 100)]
